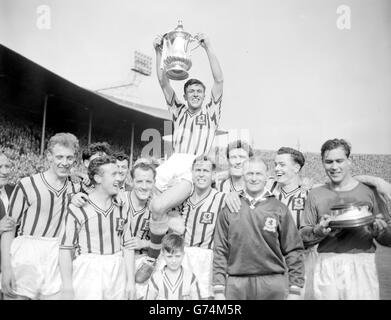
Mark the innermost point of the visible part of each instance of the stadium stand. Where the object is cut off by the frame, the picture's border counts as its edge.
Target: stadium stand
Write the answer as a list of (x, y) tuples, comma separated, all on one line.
[(27, 89)]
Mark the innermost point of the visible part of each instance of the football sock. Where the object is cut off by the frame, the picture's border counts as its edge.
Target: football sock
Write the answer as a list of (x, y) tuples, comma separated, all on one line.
[(157, 230)]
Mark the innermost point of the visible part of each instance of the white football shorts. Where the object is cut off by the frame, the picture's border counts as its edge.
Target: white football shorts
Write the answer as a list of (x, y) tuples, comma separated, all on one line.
[(34, 261), (99, 277), (310, 258), (346, 276), (178, 166), (200, 262)]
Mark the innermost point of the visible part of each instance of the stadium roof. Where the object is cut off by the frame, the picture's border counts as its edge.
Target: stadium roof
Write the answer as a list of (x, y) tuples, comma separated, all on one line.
[(25, 84), (156, 112)]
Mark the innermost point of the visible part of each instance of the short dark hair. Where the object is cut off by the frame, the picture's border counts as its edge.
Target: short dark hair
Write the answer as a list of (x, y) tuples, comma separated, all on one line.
[(95, 148), (203, 158), (191, 82), (143, 166), (96, 164), (121, 156), (296, 155), (240, 144), (334, 144), (173, 242)]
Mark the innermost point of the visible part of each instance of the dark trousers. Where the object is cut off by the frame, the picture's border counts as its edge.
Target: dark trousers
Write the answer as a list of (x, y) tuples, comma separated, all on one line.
[(268, 287)]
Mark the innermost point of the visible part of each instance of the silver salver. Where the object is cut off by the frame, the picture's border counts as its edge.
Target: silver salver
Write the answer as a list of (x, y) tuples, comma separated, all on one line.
[(350, 215)]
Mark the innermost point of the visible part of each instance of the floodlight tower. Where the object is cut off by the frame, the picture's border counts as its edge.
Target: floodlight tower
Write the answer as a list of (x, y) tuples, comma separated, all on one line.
[(142, 66), (128, 91)]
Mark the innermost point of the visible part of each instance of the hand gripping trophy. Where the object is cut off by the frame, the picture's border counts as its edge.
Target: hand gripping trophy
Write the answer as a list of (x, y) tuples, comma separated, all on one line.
[(176, 56)]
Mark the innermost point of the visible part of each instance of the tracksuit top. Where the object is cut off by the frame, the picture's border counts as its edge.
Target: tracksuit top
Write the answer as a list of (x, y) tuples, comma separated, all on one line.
[(260, 239)]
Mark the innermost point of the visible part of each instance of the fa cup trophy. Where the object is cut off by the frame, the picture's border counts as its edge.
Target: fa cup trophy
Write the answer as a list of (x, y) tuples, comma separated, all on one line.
[(176, 53)]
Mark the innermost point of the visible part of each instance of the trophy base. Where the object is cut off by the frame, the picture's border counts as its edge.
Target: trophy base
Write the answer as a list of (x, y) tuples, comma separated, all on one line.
[(353, 223), (177, 74), (176, 68)]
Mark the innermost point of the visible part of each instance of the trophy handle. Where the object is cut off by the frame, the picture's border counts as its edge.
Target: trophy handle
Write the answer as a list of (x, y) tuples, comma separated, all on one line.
[(163, 46), (195, 39), (164, 38)]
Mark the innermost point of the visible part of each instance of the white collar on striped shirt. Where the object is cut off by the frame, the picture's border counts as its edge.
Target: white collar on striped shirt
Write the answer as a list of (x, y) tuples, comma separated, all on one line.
[(55, 191), (100, 210), (173, 286), (200, 201)]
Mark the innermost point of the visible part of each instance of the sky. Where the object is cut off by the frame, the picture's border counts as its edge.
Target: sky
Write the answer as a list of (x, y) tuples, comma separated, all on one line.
[(296, 72)]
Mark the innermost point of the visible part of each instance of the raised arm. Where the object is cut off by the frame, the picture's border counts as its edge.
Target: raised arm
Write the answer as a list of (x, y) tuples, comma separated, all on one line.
[(161, 75), (217, 89)]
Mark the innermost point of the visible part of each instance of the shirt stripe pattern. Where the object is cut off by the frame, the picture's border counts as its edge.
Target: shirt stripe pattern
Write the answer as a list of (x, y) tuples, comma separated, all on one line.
[(89, 229), (294, 200), (200, 219), (138, 219), (194, 132), (38, 208), (185, 287)]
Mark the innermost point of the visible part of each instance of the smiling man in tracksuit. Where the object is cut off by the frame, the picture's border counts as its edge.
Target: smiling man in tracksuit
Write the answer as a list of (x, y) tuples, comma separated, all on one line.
[(256, 245)]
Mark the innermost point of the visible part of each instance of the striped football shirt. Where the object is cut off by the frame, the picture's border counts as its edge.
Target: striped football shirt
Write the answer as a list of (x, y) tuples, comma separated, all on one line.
[(200, 219), (138, 219), (89, 229), (185, 287), (294, 200), (194, 132), (38, 208)]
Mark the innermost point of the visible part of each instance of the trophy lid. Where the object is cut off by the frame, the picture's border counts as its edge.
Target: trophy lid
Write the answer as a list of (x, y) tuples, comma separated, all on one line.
[(179, 27), (178, 31)]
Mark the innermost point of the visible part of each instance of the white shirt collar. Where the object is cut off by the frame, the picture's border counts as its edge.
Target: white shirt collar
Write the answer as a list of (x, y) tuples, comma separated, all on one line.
[(253, 200)]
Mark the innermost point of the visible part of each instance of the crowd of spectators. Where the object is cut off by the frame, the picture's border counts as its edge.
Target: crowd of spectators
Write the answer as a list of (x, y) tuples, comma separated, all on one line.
[(22, 136), (21, 139), (369, 164)]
